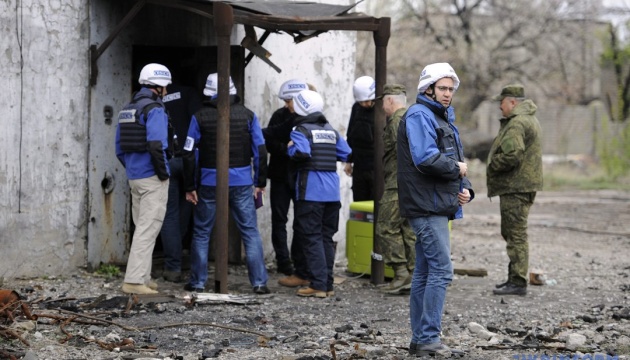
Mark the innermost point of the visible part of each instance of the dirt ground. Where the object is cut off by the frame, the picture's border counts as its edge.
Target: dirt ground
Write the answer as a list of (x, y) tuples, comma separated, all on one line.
[(580, 240)]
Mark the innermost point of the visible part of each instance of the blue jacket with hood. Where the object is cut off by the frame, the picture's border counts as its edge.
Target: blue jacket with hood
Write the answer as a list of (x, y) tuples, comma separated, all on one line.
[(429, 149)]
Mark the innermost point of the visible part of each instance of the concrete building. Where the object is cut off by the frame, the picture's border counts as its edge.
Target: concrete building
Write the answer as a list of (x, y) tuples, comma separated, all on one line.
[(70, 66)]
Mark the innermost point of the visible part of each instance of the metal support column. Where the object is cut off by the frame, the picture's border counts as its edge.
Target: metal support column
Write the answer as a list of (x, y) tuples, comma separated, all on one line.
[(223, 23), (381, 38)]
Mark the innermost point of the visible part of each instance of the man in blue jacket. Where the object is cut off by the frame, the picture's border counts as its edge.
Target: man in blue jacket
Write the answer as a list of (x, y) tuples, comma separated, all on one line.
[(432, 187), (246, 144), (141, 146), (315, 147)]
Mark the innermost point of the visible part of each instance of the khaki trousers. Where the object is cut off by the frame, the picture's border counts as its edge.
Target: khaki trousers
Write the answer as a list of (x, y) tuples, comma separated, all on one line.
[(148, 207)]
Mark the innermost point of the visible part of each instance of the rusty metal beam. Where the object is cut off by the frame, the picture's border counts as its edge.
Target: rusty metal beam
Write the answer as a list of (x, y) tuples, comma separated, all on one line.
[(381, 38), (250, 56), (205, 10), (275, 23), (223, 24)]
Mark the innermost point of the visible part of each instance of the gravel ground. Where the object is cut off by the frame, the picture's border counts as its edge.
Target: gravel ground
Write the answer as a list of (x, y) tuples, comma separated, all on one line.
[(579, 240)]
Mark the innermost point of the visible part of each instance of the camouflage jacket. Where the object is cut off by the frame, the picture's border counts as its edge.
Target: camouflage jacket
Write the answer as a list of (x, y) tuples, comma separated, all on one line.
[(515, 159), (390, 167)]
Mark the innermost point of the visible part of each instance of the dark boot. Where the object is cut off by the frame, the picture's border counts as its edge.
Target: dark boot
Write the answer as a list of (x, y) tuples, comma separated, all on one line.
[(503, 284), (511, 289), (401, 281)]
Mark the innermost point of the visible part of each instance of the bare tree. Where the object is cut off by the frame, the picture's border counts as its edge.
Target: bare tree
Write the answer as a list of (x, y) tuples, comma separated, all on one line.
[(549, 45)]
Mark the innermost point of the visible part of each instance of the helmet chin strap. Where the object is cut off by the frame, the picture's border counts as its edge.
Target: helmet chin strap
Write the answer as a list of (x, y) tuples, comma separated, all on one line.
[(432, 94)]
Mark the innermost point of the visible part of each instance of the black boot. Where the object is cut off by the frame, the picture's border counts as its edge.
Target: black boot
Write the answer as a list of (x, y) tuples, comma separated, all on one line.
[(511, 289), (503, 284)]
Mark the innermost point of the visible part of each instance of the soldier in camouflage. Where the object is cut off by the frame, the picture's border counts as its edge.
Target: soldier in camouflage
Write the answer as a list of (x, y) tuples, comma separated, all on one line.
[(514, 173), (396, 237)]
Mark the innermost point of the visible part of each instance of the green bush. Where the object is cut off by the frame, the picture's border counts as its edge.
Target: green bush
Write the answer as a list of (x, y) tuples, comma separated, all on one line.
[(108, 270), (614, 149)]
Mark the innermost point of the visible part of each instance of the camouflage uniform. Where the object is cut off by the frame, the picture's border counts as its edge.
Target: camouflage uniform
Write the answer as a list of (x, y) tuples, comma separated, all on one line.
[(396, 237), (514, 173)]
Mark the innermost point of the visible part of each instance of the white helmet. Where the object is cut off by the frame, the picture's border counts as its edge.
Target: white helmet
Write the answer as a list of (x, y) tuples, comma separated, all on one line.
[(364, 88), (307, 102), (155, 74), (290, 88), (212, 85), (434, 72)]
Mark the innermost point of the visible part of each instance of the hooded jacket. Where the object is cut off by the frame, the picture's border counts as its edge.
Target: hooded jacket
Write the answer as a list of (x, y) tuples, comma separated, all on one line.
[(515, 158), (429, 149)]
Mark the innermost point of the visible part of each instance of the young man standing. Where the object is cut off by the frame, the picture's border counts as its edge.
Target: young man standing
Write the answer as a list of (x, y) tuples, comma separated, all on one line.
[(247, 150), (141, 146), (432, 187)]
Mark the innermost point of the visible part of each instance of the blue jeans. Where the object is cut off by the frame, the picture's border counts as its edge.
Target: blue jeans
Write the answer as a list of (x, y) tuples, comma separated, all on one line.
[(177, 218), (241, 200), (433, 273)]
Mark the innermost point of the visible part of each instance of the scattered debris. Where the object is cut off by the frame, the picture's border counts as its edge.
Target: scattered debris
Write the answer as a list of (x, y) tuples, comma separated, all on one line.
[(11, 304), (212, 298)]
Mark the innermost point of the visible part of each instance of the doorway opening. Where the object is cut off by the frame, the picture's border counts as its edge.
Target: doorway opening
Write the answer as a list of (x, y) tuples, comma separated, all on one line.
[(189, 66)]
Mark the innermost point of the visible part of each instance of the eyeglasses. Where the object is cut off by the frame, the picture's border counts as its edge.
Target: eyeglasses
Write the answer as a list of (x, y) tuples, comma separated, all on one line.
[(444, 88)]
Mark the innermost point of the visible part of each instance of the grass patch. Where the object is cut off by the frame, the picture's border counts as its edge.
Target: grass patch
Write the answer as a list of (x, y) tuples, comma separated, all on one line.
[(592, 177), (108, 270)]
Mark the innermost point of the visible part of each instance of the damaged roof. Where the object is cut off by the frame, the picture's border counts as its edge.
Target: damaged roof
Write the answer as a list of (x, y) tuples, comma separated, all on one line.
[(285, 8), (291, 17)]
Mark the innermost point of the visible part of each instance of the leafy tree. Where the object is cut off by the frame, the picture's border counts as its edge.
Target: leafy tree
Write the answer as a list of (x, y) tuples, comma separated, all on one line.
[(617, 56)]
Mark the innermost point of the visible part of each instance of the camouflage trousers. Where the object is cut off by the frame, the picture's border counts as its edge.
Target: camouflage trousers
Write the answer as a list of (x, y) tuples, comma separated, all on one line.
[(514, 213), (396, 237)]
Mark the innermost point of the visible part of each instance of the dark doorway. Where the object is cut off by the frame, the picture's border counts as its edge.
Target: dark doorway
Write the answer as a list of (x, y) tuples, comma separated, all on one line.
[(190, 66)]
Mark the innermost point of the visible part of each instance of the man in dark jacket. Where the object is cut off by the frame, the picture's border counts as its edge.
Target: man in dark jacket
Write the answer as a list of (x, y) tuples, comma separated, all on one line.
[(276, 139), (247, 147), (432, 187), (181, 103), (361, 139), (514, 173)]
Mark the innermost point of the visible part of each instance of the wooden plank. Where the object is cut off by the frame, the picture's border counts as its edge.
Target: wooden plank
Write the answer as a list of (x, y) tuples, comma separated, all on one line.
[(471, 271)]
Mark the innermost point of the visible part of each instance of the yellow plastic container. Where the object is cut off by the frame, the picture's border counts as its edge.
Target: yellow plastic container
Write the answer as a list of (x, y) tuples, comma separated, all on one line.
[(360, 239)]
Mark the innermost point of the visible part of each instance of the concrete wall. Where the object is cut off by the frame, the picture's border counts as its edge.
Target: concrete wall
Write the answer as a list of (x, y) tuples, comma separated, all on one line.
[(327, 62), (44, 141)]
